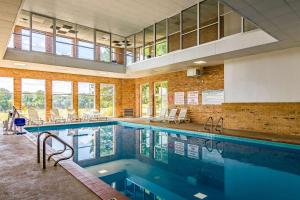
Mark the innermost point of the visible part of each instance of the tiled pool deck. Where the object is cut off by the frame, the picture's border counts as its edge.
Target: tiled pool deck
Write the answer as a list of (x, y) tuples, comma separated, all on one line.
[(22, 178)]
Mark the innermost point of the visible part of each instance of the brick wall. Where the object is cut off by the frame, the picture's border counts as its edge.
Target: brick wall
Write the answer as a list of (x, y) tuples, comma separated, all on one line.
[(212, 79), (262, 117)]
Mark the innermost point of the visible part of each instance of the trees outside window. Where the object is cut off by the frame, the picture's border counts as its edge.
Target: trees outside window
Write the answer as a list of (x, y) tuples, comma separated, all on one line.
[(62, 97), (33, 95), (145, 100), (161, 96), (107, 99), (6, 96), (86, 98)]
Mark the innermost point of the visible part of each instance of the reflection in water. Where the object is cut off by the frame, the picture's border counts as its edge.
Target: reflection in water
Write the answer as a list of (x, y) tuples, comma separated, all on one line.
[(153, 164)]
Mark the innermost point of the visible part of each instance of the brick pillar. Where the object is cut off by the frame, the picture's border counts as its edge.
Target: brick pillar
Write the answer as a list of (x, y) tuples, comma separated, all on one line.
[(48, 99), (75, 96), (97, 96), (17, 93)]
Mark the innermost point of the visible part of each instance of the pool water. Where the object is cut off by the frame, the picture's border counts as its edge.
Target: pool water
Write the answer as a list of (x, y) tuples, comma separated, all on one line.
[(145, 162)]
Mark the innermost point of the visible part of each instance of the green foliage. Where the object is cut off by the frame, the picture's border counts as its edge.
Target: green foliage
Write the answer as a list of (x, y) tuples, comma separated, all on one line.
[(6, 99), (107, 100), (161, 48), (62, 101), (35, 100), (86, 101)]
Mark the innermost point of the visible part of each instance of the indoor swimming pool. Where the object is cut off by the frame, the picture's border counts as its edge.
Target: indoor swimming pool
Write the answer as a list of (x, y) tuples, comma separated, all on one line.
[(148, 162)]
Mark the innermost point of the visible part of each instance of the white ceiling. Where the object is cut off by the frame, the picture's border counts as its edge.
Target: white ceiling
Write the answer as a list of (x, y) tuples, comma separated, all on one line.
[(123, 17)]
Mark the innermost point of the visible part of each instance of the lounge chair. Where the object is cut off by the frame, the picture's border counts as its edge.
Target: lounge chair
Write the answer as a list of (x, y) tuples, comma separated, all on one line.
[(96, 115), (172, 115), (161, 118), (55, 116), (182, 117), (72, 116), (34, 118)]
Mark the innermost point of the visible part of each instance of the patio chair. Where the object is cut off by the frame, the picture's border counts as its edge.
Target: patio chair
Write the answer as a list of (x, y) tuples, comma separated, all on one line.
[(72, 116), (55, 116), (162, 116), (34, 118), (96, 115), (172, 115), (182, 117)]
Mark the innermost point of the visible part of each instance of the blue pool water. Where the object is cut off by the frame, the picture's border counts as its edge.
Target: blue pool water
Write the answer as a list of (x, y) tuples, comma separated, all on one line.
[(146, 162)]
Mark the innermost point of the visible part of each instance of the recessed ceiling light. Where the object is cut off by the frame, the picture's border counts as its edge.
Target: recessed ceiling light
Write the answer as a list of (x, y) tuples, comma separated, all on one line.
[(20, 64), (103, 171), (200, 62), (200, 195)]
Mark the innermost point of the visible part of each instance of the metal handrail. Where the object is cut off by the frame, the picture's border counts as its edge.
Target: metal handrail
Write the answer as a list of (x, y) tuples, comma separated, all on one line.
[(221, 120), (207, 123), (39, 145), (53, 154)]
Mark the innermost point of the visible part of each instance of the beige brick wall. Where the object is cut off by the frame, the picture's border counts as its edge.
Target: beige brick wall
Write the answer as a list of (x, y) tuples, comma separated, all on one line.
[(212, 79), (262, 117)]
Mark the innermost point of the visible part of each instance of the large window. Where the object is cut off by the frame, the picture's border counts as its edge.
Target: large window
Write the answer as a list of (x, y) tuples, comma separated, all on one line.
[(85, 42), (25, 38), (6, 96), (107, 140), (86, 98), (65, 38), (62, 98), (149, 42), (174, 33), (42, 33), (161, 96), (230, 21), (208, 21), (33, 96), (161, 42), (139, 43), (107, 99), (103, 46), (189, 27), (129, 50), (145, 100), (117, 49)]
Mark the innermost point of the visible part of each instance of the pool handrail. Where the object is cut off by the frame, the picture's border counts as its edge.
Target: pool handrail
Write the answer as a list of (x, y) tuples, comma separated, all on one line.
[(49, 134), (219, 127), (207, 124)]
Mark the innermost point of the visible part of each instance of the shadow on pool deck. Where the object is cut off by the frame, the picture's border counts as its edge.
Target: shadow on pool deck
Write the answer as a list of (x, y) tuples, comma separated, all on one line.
[(22, 178)]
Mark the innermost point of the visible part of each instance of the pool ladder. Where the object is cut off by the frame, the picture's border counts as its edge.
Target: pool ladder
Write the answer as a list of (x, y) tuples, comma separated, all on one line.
[(48, 135), (209, 125)]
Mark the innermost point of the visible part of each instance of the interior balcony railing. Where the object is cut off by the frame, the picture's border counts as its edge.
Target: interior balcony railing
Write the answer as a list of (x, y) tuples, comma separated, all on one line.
[(207, 21), (42, 42)]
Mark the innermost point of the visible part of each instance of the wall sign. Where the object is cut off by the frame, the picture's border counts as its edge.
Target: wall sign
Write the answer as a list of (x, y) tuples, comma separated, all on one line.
[(192, 98), (213, 97), (179, 98), (179, 148)]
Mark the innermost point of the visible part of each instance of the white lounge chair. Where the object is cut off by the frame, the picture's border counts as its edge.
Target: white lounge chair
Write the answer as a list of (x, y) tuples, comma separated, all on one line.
[(182, 117), (55, 116), (162, 116), (172, 115), (72, 116), (34, 118)]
